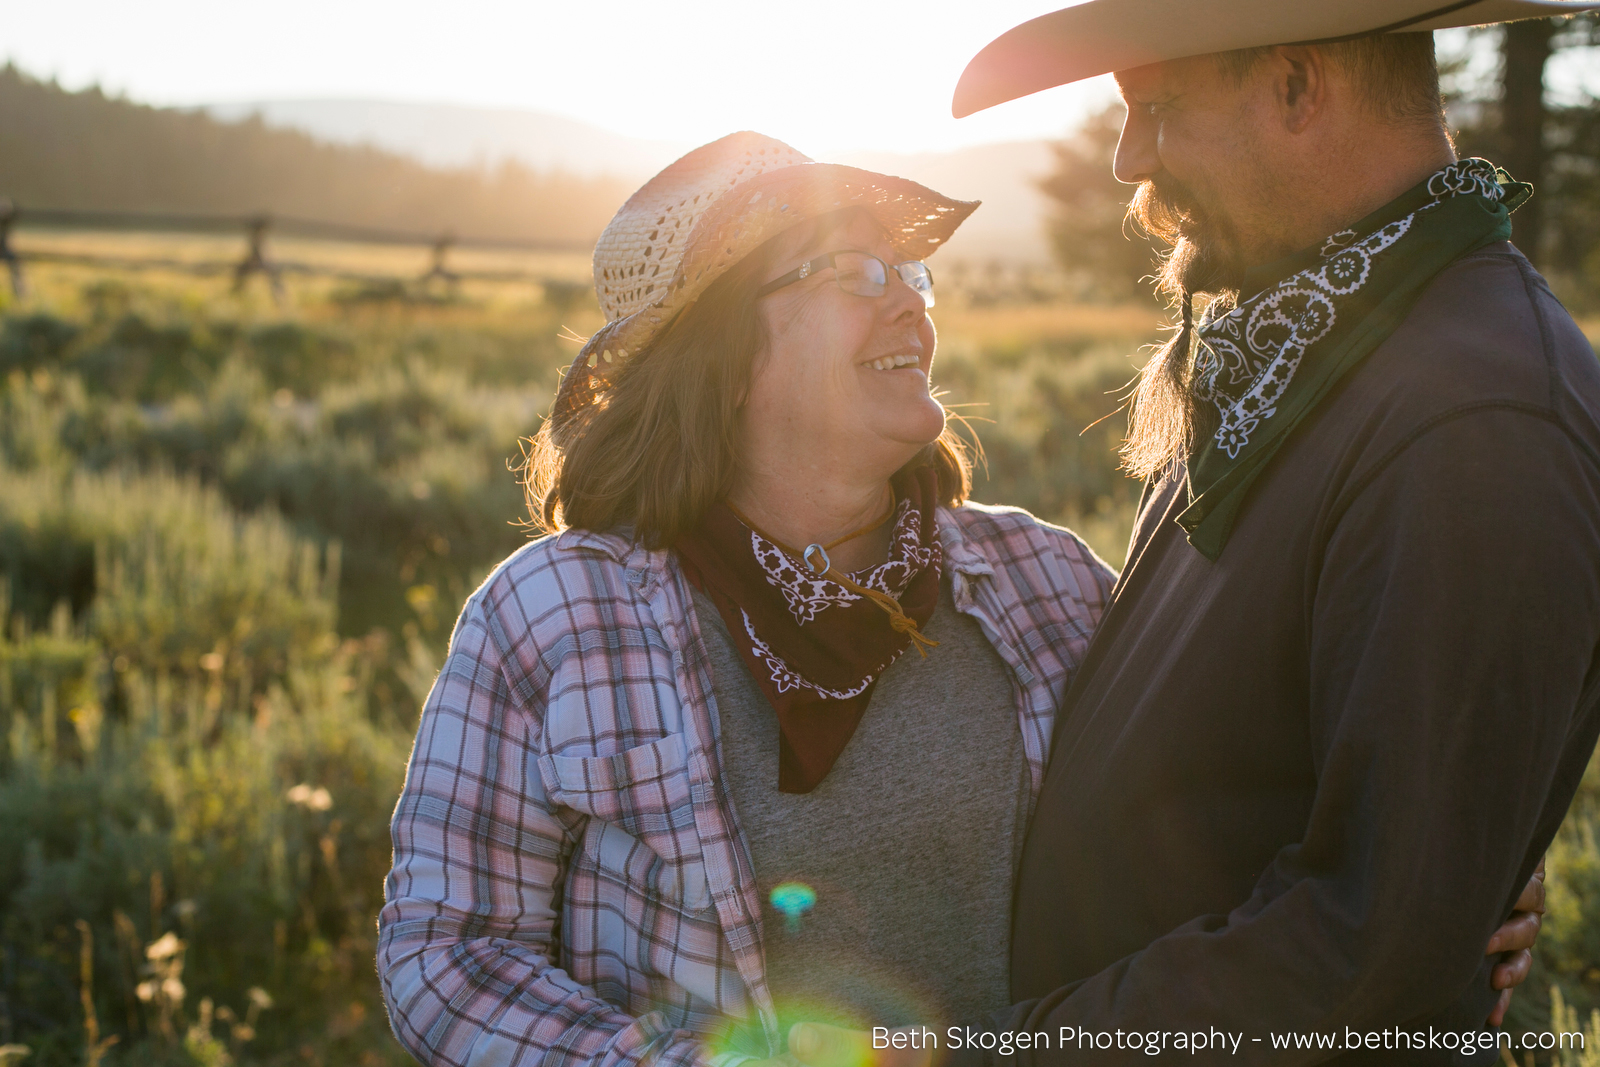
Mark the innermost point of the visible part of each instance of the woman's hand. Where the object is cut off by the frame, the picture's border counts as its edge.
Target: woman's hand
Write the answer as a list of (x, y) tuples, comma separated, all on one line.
[(1515, 939)]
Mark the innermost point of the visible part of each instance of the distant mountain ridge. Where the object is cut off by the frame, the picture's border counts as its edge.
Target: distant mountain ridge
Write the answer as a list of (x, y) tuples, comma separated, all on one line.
[(453, 135), (1010, 225)]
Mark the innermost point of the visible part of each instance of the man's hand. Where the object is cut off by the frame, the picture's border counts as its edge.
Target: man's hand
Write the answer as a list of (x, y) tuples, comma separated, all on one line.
[(820, 1045), (1515, 938)]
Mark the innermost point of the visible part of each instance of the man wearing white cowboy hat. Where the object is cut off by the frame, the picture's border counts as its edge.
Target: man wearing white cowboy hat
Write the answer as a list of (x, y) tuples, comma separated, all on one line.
[(1347, 684)]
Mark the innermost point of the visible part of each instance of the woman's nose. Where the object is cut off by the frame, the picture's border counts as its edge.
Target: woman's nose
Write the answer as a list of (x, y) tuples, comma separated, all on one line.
[(1137, 159), (903, 300)]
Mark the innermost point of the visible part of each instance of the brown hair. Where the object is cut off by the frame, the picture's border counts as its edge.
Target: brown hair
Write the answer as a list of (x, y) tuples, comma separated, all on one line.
[(1397, 73), (659, 449)]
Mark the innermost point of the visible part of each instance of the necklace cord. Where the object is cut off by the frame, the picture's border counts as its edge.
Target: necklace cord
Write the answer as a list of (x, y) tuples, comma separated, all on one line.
[(899, 621), (836, 542)]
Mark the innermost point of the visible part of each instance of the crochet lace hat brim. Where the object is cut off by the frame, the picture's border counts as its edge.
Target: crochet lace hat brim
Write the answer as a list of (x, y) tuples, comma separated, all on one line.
[(1102, 36), (917, 219)]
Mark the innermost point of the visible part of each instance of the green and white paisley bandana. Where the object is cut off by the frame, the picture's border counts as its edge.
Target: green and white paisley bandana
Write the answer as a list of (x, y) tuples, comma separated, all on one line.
[(1266, 362)]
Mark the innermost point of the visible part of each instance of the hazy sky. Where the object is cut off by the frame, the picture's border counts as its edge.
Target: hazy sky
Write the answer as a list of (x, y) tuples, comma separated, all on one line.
[(822, 74), (825, 75)]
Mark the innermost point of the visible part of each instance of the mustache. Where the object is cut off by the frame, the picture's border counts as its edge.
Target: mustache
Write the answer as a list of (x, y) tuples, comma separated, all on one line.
[(1203, 256), (1167, 210)]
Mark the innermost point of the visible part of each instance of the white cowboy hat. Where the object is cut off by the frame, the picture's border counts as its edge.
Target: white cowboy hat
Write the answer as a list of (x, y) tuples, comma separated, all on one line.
[(1106, 35)]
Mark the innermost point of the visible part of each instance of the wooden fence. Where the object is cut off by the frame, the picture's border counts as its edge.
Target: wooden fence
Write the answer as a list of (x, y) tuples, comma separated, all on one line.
[(254, 231)]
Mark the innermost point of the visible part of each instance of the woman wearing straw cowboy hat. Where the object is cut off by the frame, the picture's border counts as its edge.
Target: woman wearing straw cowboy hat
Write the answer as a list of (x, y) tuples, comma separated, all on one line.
[(1348, 681), (753, 737), (646, 797)]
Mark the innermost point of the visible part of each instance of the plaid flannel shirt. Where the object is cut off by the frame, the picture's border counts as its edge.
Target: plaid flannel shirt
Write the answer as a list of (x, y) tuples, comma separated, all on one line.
[(570, 883)]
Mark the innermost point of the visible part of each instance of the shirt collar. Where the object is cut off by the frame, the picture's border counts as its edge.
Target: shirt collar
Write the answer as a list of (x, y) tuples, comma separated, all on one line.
[(617, 543), (962, 555)]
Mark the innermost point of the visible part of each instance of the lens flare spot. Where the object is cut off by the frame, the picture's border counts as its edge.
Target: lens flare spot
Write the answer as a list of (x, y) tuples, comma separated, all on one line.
[(794, 899)]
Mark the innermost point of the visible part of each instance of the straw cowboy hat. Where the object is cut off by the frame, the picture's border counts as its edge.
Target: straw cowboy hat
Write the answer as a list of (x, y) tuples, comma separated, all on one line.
[(686, 226), (1106, 35)]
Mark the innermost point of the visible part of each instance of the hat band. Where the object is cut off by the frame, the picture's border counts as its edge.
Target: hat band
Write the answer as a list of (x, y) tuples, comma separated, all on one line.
[(1393, 26)]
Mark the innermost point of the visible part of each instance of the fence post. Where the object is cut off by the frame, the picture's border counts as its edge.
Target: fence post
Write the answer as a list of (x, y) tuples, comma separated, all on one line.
[(441, 248), (255, 259), (8, 215)]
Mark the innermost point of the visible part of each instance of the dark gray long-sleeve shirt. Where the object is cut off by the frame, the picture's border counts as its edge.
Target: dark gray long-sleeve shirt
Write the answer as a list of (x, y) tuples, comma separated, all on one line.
[(1295, 790)]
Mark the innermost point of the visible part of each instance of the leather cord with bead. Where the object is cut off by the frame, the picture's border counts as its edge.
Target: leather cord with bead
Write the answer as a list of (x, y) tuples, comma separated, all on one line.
[(899, 621)]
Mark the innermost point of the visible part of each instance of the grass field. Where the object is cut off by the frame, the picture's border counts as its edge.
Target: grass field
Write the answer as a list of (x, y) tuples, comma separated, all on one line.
[(234, 534), (987, 336)]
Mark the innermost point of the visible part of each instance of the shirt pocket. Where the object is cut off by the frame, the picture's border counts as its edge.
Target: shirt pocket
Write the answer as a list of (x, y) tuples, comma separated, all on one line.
[(641, 826)]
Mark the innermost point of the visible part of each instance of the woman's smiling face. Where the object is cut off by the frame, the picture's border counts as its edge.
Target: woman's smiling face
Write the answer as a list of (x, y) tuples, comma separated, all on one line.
[(844, 378)]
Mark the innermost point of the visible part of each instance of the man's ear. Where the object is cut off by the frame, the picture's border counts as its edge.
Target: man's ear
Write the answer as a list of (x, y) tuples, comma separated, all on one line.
[(1300, 84)]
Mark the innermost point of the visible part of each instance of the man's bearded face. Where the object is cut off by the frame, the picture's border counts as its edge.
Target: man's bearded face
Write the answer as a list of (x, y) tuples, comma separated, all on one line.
[(1205, 253), (1200, 144)]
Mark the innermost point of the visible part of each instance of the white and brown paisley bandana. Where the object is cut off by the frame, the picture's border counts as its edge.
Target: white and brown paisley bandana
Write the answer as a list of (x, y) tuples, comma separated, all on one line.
[(815, 647)]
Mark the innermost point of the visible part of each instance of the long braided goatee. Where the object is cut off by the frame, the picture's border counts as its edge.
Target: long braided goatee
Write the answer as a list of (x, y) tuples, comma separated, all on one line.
[(1163, 412)]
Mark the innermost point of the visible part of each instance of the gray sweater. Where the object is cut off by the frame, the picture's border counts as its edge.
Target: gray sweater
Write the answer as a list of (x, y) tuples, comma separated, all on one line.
[(910, 841)]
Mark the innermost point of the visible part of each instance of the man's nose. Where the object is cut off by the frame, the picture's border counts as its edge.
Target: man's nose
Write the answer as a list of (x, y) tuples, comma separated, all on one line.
[(1137, 159)]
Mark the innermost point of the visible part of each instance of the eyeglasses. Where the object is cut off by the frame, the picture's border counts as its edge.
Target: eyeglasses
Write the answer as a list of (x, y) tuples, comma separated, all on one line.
[(860, 274)]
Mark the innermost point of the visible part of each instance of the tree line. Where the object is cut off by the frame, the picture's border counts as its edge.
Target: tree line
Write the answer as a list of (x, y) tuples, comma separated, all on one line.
[(86, 150)]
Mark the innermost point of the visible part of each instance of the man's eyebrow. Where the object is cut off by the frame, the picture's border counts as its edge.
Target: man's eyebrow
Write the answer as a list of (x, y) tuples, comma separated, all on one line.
[(1140, 93)]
